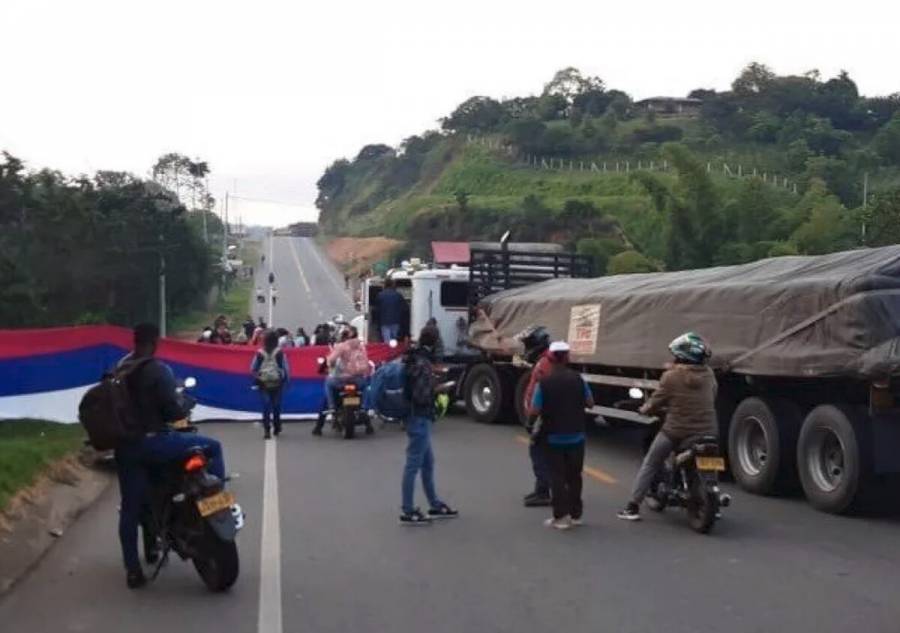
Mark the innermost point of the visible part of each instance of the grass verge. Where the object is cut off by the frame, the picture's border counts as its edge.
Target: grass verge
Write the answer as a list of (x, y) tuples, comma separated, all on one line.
[(28, 447)]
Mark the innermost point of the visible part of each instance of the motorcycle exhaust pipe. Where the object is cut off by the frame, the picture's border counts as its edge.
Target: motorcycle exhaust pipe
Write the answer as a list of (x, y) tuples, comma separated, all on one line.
[(724, 499)]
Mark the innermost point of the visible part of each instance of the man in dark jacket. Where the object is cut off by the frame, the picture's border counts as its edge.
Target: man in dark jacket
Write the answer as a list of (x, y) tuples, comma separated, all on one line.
[(152, 392), (391, 307), (687, 396), (561, 399), (420, 393)]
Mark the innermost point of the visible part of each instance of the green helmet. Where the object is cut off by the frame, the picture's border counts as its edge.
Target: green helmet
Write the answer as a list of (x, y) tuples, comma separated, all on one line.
[(690, 348), (441, 404)]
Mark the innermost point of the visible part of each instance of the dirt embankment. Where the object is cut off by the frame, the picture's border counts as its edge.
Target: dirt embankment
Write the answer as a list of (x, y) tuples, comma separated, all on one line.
[(353, 254)]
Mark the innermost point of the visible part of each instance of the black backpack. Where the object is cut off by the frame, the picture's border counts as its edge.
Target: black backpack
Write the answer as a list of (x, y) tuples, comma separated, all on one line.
[(107, 411)]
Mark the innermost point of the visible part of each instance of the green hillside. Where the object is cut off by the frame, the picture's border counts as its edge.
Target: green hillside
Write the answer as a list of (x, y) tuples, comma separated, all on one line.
[(698, 190)]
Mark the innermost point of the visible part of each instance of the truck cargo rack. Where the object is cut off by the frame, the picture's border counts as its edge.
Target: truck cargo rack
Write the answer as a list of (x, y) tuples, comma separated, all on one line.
[(493, 270)]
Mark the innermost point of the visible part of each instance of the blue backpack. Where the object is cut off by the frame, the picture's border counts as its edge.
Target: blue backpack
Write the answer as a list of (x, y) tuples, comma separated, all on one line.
[(387, 390)]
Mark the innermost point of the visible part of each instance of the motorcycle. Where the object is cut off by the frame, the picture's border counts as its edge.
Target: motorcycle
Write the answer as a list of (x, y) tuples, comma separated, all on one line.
[(348, 412), (690, 480), (189, 512)]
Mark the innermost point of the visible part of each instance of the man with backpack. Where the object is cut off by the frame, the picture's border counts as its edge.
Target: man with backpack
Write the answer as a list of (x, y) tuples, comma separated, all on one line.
[(145, 438), (271, 373), (420, 393)]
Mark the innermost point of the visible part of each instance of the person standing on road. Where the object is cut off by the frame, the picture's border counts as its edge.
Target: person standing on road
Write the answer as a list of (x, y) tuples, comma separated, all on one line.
[(391, 307), (561, 399), (420, 392), (152, 391), (248, 326), (271, 373), (687, 395), (537, 342)]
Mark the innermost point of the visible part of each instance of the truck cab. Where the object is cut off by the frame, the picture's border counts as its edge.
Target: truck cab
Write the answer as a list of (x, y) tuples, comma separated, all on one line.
[(441, 294)]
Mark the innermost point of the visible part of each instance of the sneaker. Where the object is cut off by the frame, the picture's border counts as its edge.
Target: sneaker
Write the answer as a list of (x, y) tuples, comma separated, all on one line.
[(443, 511), (537, 500), (631, 512), (414, 518), (135, 579), (559, 524), (576, 522)]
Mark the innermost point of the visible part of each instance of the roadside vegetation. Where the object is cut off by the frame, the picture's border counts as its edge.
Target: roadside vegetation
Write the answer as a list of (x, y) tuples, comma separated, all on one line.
[(87, 249), (28, 447), (476, 177)]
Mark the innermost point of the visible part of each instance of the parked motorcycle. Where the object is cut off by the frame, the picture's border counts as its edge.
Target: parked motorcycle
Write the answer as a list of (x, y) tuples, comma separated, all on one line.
[(690, 480), (189, 512)]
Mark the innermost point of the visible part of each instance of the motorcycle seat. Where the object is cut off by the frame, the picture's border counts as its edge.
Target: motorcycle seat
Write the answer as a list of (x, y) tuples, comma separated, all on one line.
[(697, 440)]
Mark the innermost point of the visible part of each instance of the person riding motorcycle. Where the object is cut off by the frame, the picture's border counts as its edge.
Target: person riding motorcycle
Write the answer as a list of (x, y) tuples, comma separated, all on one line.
[(537, 344), (153, 394), (687, 395), (349, 363)]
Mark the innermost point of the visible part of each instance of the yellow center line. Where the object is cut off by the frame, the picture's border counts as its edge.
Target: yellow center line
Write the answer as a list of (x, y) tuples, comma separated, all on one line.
[(594, 473)]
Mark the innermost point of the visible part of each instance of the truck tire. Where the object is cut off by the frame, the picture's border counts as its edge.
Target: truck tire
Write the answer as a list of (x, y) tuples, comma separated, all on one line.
[(834, 458), (521, 386), (484, 393), (762, 441)]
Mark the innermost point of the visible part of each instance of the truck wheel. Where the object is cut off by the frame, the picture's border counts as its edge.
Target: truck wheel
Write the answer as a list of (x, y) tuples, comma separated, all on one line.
[(761, 444), (521, 385), (483, 392), (834, 457)]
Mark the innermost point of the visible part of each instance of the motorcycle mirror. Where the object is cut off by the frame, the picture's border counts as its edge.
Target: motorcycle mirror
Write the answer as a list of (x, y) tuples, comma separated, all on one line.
[(190, 382), (338, 318), (393, 343), (635, 394)]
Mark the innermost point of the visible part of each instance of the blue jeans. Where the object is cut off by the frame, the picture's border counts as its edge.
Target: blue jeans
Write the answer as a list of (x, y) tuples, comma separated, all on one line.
[(419, 457), (390, 332), (538, 454), (271, 400), (333, 384), (133, 462)]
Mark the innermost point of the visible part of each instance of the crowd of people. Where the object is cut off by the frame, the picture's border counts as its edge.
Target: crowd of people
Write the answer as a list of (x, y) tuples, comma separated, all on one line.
[(253, 332)]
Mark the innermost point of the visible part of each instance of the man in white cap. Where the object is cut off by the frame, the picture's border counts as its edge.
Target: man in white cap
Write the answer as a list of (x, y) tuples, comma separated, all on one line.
[(561, 399)]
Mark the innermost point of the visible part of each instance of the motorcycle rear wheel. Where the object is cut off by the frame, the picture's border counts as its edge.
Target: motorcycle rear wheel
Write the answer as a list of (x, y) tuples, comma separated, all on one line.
[(349, 424), (702, 507), (217, 563)]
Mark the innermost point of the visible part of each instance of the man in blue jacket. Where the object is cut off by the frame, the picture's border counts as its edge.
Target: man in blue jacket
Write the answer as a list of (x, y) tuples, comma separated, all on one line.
[(391, 308)]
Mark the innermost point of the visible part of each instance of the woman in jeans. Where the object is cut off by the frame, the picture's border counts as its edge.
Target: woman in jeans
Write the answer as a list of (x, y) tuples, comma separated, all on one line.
[(270, 372)]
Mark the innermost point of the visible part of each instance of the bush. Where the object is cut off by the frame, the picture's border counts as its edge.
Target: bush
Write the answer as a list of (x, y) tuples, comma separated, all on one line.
[(628, 262), (600, 250)]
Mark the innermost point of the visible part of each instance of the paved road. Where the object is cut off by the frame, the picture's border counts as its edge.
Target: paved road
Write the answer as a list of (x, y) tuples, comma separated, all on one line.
[(345, 564), (310, 289)]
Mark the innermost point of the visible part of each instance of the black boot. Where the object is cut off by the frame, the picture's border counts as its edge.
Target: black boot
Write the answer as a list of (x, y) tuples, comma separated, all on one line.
[(267, 435), (135, 579), (320, 422), (537, 499), (277, 429)]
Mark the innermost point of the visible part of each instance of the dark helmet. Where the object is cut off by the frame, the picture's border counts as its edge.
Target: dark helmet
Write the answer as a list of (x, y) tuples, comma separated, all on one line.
[(536, 340), (690, 348)]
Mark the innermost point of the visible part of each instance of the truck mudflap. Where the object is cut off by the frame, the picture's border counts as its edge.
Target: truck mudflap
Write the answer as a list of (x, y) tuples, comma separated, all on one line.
[(886, 441)]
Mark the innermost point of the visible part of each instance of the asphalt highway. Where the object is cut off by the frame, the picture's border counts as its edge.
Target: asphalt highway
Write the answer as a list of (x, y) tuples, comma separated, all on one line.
[(322, 550)]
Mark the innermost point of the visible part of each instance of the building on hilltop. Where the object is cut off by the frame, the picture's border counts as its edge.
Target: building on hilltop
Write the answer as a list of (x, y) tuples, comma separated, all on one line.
[(671, 106)]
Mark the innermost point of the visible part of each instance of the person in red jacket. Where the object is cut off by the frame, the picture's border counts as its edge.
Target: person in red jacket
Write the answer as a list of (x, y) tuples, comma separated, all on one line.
[(537, 343)]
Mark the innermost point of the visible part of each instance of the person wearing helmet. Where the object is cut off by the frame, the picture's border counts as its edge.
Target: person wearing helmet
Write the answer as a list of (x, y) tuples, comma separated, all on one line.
[(687, 396), (537, 342)]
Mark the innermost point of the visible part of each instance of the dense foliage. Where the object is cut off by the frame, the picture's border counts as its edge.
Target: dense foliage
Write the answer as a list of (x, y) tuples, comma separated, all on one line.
[(820, 134), (89, 249)]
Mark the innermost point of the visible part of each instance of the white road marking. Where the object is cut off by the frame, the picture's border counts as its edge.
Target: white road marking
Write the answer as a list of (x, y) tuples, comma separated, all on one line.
[(270, 620), (299, 267)]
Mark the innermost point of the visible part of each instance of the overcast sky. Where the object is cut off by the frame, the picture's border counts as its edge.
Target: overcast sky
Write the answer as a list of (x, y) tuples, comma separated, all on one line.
[(269, 93)]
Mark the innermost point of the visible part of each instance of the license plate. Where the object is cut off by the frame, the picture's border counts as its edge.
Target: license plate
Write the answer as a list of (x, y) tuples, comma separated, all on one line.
[(216, 503), (352, 401), (710, 463)]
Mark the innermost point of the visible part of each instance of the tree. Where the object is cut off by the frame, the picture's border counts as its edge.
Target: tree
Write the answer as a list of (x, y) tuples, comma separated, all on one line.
[(753, 80), (477, 114), (882, 219), (754, 212), (526, 133), (374, 152), (828, 226), (887, 141), (600, 250), (628, 262), (569, 83), (331, 183)]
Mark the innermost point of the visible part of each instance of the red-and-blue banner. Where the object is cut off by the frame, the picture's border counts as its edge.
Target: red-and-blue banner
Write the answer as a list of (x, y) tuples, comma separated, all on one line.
[(48, 369)]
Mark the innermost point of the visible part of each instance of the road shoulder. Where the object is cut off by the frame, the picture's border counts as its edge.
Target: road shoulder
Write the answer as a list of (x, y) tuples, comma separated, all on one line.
[(39, 516)]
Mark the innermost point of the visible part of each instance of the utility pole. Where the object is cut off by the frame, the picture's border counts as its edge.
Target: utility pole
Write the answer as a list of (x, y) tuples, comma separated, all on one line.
[(205, 210), (865, 203), (224, 245), (162, 289)]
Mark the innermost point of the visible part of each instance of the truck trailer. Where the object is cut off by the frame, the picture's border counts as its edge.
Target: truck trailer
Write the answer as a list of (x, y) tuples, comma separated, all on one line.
[(806, 351)]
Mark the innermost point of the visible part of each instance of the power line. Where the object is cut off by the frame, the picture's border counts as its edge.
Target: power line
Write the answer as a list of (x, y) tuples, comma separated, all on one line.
[(287, 204)]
